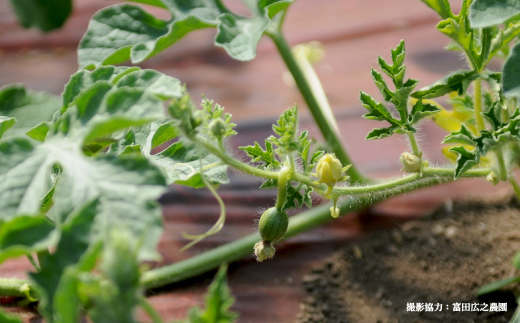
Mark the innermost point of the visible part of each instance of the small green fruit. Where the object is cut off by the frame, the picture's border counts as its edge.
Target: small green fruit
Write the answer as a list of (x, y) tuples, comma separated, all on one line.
[(273, 225)]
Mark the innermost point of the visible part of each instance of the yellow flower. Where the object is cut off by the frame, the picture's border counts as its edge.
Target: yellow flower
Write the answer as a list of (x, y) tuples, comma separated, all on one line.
[(329, 169)]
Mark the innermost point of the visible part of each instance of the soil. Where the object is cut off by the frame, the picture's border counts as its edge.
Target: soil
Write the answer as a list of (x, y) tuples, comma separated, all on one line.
[(441, 259)]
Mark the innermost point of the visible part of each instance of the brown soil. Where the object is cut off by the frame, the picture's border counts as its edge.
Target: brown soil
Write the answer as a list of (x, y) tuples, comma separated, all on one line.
[(443, 258)]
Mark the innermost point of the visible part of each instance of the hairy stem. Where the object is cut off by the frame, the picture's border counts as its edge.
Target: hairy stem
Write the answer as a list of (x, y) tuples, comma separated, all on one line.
[(331, 137), (282, 186), (302, 222), (233, 162), (501, 164), (33, 262), (413, 143), (412, 179), (516, 186), (12, 287), (478, 105), (243, 247), (338, 191)]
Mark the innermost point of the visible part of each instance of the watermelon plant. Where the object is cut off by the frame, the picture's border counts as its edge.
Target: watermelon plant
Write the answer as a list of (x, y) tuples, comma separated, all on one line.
[(79, 181)]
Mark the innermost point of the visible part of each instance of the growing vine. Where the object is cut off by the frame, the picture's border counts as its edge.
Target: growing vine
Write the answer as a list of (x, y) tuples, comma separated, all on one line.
[(75, 168)]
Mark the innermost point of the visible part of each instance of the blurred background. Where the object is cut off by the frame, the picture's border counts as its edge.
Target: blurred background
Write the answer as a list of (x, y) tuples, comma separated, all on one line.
[(354, 33)]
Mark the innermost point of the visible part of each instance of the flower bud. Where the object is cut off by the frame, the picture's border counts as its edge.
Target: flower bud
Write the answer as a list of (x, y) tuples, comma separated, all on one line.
[(411, 163), (334, 211), (217, 127), (329, 169), (264, 250), (493, 178)]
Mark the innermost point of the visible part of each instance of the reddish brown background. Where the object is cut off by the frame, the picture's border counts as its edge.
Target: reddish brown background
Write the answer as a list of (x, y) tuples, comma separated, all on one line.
[(354, 32)]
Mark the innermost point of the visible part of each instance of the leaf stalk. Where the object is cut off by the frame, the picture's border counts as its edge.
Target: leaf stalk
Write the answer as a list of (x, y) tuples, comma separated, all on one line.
[(331, 137)]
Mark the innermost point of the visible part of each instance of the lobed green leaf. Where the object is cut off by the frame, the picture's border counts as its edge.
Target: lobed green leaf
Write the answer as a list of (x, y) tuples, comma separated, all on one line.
[(218, 302), (466, 159), (421, 110), (26, 234), (297, 197), (28, 108), (185, 163), (45, 15), (486, 13), (137, 35), (267, 156), (442, 7), (457, 81)]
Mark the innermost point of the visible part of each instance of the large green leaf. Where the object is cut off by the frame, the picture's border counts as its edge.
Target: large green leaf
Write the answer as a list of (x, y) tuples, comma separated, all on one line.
[(124, 32), (29, 108), (118, 33), (511, 73), (43, 14), (26, 234), (127, 186), (153, 82), (83, 79), (485, 13), (102, 109)]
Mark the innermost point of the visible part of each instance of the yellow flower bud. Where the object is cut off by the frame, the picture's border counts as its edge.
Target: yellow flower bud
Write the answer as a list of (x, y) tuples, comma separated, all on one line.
[(493, 178), (411, 163), (329, 169), (334, 211)]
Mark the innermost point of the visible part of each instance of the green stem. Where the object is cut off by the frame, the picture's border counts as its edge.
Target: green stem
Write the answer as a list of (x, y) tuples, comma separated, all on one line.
[(233, 162), (41, 254), (428, 172), (302, 222), (478, 105), (332, 138), (282, 186), (515, 185), (243, 247), (33, 262), (415, 146), (501, 164), (12, 287), (148, 308), (410, 180)]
